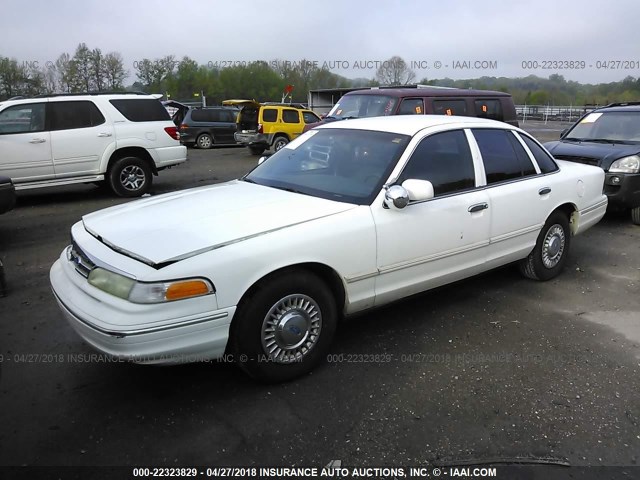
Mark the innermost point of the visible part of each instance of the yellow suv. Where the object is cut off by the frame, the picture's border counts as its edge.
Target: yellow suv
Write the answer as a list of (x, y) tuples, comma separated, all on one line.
[(264, 125)]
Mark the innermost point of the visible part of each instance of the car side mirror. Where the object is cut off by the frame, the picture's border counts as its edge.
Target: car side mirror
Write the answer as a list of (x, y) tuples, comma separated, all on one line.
[(396, 197), (563, 132), (419, 190), (412, 190), (264, 157)]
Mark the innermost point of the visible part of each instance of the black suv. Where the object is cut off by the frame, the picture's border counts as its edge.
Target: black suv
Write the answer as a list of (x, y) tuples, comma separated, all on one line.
[(205, 127), (608, 137)]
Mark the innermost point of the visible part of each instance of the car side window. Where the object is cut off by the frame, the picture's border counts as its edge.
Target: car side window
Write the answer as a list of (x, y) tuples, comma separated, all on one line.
[(269, 114), (229, 116), (502, 155), (489, 109), (23, 118), (445, 160), (449, 107), (290, 116), (411, 106), (309, 117), (74, 114), (545, 162)]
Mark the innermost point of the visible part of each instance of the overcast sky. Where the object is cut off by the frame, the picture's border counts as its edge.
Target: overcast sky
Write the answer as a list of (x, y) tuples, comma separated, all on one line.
[(501, 33)]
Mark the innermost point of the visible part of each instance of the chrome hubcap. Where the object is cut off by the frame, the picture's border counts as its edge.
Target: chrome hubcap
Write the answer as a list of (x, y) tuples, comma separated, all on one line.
[(205, 142), (132, 177), (291, 328), (553, 246)]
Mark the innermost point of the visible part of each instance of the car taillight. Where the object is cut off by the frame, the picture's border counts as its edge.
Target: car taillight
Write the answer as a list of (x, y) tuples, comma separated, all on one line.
[(183, 126), (260, 128), (172, 132)]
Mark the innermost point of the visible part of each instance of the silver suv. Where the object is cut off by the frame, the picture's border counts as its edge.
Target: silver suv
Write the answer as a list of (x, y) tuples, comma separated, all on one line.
[(119, 139)]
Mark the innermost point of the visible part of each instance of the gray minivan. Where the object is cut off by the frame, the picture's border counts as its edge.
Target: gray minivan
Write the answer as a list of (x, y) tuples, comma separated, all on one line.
[(204, 127)]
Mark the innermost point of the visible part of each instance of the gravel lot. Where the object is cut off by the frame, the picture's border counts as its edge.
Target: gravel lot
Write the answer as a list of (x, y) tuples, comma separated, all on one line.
[(491, 367)]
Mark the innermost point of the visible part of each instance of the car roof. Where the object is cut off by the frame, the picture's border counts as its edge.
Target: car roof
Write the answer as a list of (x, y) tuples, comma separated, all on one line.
[(620, 107), (412, 124), (88, 96), (429, 92)]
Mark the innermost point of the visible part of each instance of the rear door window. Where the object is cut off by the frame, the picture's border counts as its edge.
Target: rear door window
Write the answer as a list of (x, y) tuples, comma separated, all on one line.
[(503, 157), (269, 114), (74, 114), (411, 106), (450, 107), (141, 109), (486, 108), (290, 116)]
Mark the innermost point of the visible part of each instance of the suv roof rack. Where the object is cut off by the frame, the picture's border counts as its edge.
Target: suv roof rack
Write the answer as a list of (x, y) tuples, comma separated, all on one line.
[(285, 104), (621, 104), (78, 94)]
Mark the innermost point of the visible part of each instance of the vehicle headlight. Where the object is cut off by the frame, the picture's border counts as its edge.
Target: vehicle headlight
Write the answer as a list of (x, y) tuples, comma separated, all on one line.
[(169, 291), (111, 282), (626, 165), (157, 292)]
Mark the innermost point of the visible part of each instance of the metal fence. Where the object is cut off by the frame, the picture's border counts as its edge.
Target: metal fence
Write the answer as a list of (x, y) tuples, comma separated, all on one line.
[(559, 113)]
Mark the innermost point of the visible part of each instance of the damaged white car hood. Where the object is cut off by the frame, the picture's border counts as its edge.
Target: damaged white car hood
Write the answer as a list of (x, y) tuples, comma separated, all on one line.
[(174, 226)]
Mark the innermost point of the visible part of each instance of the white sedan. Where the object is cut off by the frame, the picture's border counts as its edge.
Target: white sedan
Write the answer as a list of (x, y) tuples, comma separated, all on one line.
[(349, 216)]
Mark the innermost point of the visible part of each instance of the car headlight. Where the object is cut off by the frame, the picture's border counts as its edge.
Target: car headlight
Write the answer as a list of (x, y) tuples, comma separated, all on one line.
[(626, 165), (157, 292)]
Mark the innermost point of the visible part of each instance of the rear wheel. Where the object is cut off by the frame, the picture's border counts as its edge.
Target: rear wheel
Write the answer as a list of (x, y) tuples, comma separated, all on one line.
[(635, 215), (284, 328), (279, 142), (550, 253), (204, 141), (130, 177)]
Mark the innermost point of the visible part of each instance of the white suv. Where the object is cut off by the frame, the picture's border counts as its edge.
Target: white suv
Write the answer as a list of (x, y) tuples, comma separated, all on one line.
[(121, 139)]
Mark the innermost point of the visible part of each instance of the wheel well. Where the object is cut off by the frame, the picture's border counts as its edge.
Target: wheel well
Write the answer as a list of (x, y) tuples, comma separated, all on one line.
[(571, 211), (280, 134), (133, 152), (325, 273)]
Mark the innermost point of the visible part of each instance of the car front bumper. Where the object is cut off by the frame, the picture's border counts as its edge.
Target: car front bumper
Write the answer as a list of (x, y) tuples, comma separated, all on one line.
[(623, 193), (100, 322)]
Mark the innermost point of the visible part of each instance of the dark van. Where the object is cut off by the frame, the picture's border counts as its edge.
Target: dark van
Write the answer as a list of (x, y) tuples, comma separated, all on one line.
[(204, 127), (423, 100)]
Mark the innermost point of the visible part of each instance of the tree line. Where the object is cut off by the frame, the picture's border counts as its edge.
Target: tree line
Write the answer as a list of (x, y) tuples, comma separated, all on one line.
[(184, 79)]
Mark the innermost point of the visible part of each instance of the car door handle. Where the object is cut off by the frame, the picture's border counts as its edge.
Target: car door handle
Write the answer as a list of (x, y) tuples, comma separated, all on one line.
[(104, 134), (478, 207), (544, 191)]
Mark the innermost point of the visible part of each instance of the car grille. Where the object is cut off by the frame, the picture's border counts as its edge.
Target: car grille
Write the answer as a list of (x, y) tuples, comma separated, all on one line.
[(578, 159), (80, 261)]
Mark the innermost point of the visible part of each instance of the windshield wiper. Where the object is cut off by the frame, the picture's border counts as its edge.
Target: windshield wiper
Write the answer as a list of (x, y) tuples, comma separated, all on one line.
[(573, 139), (248, 180), (601, 140)]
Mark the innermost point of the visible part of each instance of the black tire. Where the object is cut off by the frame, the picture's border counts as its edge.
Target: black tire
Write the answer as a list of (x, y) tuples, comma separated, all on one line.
[(279, 142), (130, 177), (548, 257), (291, 352), (635, 215), (204, 141), (257, 150)]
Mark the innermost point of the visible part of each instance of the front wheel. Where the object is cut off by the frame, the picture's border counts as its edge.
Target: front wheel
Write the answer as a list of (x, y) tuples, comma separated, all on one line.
[(549, 255), (130, 177), (279, 143), (284, 328)]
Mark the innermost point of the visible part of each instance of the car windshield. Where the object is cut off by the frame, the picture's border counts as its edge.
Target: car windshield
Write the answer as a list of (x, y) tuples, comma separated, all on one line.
[(607, 127), (337, 164), (359, 106)]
